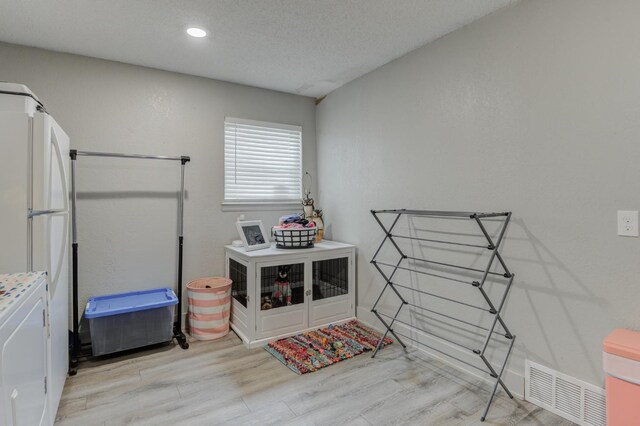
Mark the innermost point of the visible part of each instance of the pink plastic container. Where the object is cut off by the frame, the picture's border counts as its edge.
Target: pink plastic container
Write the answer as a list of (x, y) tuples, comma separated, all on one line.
[(209, 307), (621, 360)]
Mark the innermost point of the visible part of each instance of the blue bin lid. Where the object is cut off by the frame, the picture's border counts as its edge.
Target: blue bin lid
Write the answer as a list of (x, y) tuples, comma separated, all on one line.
[(122, 303)]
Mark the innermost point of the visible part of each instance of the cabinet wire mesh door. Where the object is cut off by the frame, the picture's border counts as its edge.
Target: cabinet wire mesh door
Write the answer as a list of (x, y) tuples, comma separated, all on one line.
[(330, 278), (238, 276), (281, 285)]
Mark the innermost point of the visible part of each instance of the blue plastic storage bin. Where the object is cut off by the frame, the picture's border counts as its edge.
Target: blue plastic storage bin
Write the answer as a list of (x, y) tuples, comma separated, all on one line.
[(119, 322)]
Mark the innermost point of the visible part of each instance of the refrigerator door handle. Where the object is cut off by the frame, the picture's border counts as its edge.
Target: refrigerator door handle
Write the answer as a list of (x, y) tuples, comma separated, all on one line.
[(33, 213), (61, 163), (14, 409)]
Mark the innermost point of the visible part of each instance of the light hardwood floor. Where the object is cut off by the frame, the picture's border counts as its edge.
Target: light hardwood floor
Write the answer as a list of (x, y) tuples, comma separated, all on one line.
[(222, 382)]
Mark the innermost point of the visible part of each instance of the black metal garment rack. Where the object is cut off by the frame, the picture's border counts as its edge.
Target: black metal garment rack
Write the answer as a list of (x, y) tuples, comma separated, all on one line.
[(177, 326), (478, 284)]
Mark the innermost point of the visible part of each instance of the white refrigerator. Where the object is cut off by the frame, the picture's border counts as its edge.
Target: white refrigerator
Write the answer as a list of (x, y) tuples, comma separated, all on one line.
[(34, 214)]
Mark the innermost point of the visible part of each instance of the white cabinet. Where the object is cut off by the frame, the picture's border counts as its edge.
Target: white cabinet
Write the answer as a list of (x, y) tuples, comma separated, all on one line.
[(23, 350), (319, 289)]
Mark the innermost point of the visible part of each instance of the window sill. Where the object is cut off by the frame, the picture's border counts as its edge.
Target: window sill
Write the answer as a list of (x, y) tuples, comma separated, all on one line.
[(264, 206)]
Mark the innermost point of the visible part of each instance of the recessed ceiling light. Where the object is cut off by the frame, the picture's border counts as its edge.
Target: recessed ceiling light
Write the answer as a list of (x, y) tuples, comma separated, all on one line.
[(196, 32)]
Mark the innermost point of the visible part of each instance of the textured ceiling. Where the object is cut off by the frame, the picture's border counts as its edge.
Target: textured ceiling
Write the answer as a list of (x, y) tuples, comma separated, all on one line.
[(307, 47)]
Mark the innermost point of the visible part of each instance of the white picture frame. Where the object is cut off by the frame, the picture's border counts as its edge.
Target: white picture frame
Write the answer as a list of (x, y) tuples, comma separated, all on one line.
[(253, 235)]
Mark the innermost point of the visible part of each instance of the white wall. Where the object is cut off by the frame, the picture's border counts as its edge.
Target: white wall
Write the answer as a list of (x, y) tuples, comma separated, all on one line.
[(533, 109), (128, 208)]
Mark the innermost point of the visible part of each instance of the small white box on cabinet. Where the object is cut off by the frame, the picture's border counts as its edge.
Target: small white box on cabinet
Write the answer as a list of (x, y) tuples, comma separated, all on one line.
[(320, 289)]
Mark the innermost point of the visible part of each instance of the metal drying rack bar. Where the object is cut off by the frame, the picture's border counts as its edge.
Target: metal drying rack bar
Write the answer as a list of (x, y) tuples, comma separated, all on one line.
[(490, 307)]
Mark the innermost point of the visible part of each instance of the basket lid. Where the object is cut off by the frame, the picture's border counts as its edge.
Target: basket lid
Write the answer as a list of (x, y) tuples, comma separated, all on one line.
[(624, 343), (122, 303), (207, 283)]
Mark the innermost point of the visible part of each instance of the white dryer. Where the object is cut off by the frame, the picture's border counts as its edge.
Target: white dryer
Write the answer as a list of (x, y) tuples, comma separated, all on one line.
[(23, 350)]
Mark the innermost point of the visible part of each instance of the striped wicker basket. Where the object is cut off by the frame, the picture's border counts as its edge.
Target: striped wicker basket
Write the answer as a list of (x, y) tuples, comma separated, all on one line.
[(209, 307)]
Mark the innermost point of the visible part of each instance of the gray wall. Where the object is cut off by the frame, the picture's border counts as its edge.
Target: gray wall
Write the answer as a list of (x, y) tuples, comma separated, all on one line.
[(533, 109), (128, 208)]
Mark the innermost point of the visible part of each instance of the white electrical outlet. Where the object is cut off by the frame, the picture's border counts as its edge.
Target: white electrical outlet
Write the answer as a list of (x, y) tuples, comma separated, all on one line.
[(628, 223)]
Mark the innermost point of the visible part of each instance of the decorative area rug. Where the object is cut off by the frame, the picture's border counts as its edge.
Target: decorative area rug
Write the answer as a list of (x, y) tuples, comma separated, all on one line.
[(313, 350)]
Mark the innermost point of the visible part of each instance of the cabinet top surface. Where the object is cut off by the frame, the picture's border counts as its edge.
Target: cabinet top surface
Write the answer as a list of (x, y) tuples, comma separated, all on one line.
[(13, 287), (324, 246)]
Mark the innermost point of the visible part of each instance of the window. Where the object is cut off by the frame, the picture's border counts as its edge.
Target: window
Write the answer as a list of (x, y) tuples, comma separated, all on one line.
[(262, 162)]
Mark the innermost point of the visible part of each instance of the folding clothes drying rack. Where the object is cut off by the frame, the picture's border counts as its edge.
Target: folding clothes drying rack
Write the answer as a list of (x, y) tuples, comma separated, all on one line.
[(478, 284), (177, 326)]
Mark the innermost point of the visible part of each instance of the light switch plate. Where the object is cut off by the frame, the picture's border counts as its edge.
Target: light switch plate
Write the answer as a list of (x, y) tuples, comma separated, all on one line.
[(628, 223)]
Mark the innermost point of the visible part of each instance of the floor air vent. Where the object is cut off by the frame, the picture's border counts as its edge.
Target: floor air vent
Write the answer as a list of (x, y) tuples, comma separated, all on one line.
[(564, 395)]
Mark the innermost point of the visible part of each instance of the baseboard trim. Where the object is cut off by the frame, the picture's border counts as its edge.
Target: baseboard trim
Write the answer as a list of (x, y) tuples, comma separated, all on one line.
[(513, 379)]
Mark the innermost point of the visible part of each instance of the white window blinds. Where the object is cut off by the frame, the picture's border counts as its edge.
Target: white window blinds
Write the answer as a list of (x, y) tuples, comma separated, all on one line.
[(262, 162)]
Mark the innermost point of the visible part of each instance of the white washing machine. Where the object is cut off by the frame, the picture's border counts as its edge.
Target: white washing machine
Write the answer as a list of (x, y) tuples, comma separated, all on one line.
[(23, 350)]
